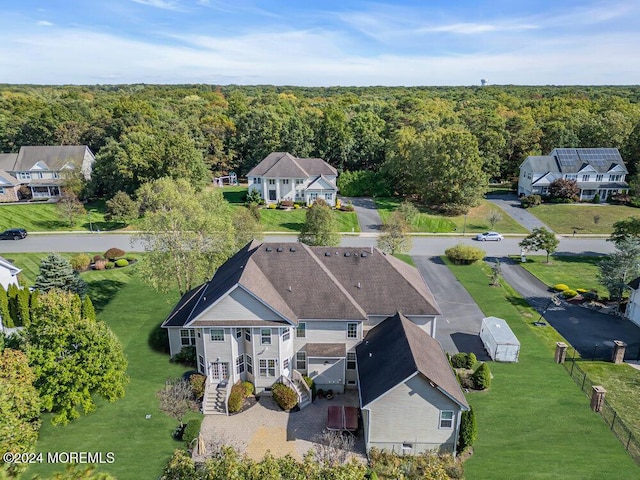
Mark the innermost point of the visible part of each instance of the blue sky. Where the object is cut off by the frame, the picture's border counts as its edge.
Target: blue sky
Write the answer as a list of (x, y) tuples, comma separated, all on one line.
[(321, 43)]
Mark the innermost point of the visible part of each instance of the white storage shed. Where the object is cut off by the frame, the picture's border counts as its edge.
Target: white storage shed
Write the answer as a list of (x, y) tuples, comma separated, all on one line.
[(499, 341)]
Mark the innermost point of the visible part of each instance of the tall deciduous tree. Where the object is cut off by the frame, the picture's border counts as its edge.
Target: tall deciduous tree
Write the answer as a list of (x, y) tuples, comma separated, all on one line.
[(19, 406), (121, 208), (186, 234), (395, 238), (619, 268), (72, 357), (175, 398), (540, 239), (320, 226), (625, 229), (70, 207), (57, 272)]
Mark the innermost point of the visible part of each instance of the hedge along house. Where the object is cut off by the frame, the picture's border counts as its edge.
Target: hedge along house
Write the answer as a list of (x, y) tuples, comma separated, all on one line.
[(410, 398), (281, 176), (597, 171), (277, 311)]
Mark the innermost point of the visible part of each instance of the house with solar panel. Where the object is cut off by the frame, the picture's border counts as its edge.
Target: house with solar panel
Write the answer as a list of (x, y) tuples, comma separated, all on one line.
[(597, 171), (281, 176), (277, 311)]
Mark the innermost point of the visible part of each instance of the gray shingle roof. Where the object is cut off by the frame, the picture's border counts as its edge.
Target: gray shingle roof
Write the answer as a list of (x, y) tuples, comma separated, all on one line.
[(55, 157), (302, 282), (6, 179), (396, 349), (326, 350), (8, 161), (285, 165)]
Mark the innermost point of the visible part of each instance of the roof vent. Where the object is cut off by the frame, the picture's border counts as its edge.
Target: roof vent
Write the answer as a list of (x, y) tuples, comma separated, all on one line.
[(269, 249), (363, 254), (327, 254), (289, 288), (370, 354), (358, 285), (279, 249), (347, 254), (292, 249)]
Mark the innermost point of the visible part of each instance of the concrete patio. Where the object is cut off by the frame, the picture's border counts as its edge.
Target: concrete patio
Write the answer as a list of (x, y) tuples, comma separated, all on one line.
[(265, 427)]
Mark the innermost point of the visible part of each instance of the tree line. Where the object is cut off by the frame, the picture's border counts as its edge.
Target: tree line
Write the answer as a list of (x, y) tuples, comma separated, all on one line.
[(440, 145)]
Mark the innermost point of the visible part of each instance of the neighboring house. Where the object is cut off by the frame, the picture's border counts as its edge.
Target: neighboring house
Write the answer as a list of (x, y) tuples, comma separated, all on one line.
[(8, 273), (276, 311), (9, 187), (598, 171), (42, 168), (633, 306), (410, 398), (281, 176)]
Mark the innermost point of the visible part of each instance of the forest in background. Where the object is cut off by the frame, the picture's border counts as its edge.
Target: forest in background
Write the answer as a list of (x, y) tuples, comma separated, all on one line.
[(441, 145)]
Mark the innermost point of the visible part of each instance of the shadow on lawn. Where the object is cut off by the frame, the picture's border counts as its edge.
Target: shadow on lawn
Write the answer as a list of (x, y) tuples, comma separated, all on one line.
[(103, 291), (292, 226), (50, 224)]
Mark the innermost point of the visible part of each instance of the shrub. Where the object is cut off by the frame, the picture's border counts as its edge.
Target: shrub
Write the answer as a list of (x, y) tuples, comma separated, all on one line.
[(471, 360), (312, 386), (192, 430), (564, 189), (159, 339), (468, 429), (253, 197), (482, 377), (364, 183), (596, 198), (348, 207), (114, 253), (591, 295), (284, 396), (464, 254), (581, 290), (459, 360), (236, 397), (100, 264), (186, 356), (561, 287), (272, 206), (296, 206), (248, 388), (198, 383), (338, 203), (530, 201), (109, 265), (97, 257), (122, 262), (569, 293), (80, 262)]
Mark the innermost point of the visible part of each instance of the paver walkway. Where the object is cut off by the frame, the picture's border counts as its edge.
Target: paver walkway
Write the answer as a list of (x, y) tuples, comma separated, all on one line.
[(368, 216), (511, 206), (265, 427)]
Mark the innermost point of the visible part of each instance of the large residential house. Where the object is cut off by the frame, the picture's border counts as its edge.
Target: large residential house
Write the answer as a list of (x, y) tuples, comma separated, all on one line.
[(410, 399), (597, 171), (42, 169), (281, 176)]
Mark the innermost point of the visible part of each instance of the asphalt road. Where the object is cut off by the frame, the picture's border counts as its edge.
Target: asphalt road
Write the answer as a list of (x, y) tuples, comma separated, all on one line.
[(422, 245)]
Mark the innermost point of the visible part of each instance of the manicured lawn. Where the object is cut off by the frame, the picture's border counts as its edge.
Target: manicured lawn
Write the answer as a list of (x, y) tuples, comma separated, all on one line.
[(535, 422), (585, 218), (476, 221), (574, 271), (141, 446), (276, 220), (45, 217), (235, 195)]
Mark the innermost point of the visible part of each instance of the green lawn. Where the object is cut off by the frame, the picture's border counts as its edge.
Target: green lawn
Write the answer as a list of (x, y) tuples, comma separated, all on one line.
[(235, 194), (535, 422), (476, 220), (141, 446), (584, 218), (275, 220), (574, 271)]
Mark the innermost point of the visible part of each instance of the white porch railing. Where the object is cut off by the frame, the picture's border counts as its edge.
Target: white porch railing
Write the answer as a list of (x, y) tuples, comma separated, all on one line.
[(226, 399), (298, 376)]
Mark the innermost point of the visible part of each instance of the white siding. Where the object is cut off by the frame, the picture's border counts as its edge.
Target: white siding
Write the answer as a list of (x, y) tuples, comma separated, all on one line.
[(425, 323), (319, 331), (239, 305), (633, 307), (411, 413), (6, 278)]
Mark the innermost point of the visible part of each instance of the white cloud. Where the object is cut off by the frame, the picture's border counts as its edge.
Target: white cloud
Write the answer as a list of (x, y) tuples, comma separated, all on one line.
[(476, 28), (163, 4), (44, 23)]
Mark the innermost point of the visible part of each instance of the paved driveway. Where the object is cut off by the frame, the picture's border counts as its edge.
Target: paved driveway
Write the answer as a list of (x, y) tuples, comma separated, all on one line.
[(511, 206), (368, 216), (458, 328), (588, 331)]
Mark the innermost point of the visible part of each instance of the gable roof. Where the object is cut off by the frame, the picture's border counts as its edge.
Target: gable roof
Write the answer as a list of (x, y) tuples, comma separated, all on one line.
[(301, 282), (6, 179), (395, 350), (574, 160), (9, 266), (285, 165), (7, 161), (321, 183), (54, 157)]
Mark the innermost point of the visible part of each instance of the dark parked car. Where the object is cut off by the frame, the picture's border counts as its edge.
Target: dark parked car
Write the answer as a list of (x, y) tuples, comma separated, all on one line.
[(13, 234)]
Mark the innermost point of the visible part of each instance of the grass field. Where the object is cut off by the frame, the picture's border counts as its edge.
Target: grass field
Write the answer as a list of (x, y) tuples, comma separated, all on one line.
[(534, 422), (476, 221), (141, 446), (275, 220), (584, 218), (574, 271)]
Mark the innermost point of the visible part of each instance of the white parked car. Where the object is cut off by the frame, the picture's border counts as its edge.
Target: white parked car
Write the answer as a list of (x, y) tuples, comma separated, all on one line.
[(488, 236)]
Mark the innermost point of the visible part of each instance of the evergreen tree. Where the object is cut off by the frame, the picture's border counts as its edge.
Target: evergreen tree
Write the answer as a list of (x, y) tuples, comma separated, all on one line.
[(57, 272), (22, 304), (13, 304), (5, 316), (88, 312), (468, 429)]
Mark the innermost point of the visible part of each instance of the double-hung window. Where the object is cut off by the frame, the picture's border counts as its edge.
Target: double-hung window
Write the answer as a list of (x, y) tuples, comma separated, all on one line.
[(267, 367), (238, 333), (301, 361), (446, 418), (286, 335), (351, 360), (217, 334), (187, 337), (239, 364), (249, 364), (352, 330), (265, 336), (301, 330), (247, 334)]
